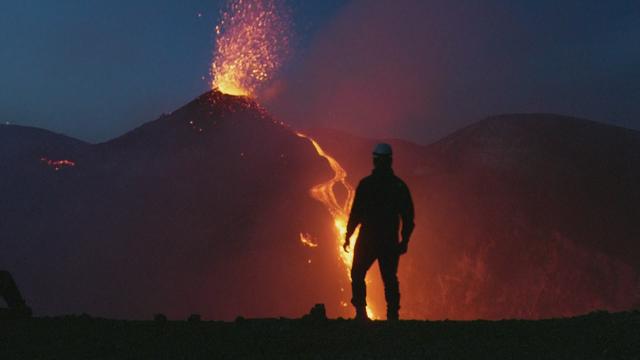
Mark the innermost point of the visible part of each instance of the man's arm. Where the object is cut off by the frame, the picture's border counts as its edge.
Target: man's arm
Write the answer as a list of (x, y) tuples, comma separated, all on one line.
[(407, 216), (355, 218)]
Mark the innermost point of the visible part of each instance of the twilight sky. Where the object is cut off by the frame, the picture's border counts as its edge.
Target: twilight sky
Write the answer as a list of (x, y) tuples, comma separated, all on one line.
[(415, 69)]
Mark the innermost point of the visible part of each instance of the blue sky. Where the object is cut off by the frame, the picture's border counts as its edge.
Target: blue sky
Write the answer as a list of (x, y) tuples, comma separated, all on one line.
[(94, 69)]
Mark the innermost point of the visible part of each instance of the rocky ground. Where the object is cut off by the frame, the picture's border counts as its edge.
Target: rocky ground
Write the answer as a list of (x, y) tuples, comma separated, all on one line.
[(598, 335)]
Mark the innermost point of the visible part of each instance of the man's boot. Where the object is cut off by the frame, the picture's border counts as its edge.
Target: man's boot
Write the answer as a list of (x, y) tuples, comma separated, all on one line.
[(361, 314)]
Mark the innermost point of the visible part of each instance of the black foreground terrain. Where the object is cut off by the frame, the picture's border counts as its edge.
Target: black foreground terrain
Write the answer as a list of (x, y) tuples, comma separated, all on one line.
[(598, 335)]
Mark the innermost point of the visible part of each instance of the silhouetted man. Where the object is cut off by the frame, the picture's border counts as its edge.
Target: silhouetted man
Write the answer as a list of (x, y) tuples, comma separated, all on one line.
[(11, 295), (381, 201)]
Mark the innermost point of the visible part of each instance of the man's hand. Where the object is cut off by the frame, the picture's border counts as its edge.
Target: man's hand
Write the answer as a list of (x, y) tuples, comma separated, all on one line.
[(403, 247), (346, 245)]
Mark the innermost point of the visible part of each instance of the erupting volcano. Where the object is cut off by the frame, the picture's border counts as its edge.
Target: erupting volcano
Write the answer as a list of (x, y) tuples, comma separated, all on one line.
[(252, 42), (220, 209)]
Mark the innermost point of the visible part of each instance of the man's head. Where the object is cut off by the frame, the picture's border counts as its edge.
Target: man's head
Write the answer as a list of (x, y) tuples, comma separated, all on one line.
[(382, 156)]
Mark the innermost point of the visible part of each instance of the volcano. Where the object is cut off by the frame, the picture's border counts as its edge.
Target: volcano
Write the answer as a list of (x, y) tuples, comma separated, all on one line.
[(201, 211), (197, 211)]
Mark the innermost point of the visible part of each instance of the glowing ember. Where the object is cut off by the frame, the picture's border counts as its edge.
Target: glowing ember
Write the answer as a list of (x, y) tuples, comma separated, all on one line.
[(58, 164), (306, 240), (251, 43)]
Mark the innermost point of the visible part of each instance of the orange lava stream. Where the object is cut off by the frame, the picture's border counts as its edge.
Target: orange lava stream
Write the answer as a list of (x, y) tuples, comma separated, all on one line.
[(339, 211)]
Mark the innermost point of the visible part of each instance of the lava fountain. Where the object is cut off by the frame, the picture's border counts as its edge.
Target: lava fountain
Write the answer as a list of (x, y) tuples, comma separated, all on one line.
[(252, 42)]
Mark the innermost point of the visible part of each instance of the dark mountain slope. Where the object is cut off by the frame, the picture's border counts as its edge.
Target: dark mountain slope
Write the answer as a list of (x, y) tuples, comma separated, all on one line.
[(198, 211), (579, 176)]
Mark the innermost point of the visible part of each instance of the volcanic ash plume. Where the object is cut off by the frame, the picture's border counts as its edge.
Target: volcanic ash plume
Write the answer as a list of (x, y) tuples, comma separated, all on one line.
[(252, 41)]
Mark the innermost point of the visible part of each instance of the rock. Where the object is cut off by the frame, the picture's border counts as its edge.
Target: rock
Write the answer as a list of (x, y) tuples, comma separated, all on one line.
[(317, 313)]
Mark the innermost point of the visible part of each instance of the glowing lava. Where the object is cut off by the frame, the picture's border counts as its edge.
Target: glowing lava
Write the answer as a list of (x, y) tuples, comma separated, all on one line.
[(339, 211), (251, 43), (306, 240), (324, 193)]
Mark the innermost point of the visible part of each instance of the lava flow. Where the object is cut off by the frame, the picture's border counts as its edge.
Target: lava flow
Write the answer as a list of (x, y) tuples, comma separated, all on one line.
[(324, 193), (339, 211), (251, 44)]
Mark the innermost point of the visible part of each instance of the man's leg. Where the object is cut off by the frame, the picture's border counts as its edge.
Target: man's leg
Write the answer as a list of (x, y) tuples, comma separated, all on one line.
[(362, 261), (389, 270)]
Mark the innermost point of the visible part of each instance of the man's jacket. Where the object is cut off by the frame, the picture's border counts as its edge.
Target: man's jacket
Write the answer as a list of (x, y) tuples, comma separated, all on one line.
[(382, 200)]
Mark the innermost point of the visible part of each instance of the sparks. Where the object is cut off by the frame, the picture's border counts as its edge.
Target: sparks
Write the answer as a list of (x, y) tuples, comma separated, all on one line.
[(251, 43)]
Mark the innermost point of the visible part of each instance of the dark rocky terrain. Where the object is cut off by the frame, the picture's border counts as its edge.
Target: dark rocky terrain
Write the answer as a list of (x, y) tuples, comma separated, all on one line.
[(595, 336)]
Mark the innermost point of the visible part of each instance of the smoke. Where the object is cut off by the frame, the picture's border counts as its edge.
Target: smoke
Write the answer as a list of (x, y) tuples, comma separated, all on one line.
[(381, 70), (421, 69)]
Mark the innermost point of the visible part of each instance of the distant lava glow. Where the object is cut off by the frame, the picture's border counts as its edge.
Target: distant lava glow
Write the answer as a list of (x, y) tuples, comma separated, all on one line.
[(251, 43), (57, 164)]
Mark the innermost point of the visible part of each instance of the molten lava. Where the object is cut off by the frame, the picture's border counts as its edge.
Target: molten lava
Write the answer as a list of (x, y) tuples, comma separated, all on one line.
[(339, 210), (251, 43), (306, 240)]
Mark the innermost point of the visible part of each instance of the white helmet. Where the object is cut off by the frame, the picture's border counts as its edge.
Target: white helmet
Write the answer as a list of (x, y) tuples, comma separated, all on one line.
[(382, 149)]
